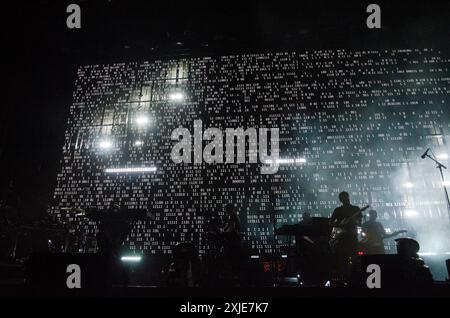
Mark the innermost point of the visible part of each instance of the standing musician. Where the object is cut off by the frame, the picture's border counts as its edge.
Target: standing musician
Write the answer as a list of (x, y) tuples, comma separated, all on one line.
[(375, 233), (344, 239)]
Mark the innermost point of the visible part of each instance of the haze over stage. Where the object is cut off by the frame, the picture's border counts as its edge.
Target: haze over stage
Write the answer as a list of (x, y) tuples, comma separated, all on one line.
[(355, 120)]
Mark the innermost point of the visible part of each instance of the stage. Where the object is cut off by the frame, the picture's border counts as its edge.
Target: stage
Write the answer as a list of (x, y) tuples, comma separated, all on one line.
[(294, 155), (438, 290)]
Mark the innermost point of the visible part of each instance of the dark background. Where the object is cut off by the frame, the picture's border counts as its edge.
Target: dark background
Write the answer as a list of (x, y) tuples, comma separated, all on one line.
[(40, 56)]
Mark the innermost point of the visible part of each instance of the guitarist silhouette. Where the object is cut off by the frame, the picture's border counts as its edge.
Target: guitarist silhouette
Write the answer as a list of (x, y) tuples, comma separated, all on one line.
[(375, 234), (344, 239)]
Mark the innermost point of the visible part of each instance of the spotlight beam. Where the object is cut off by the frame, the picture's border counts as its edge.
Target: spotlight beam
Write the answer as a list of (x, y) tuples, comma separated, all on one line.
[(130, 170)]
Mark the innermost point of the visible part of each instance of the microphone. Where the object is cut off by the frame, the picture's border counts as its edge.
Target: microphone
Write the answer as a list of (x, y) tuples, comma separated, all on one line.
[(425, 153)]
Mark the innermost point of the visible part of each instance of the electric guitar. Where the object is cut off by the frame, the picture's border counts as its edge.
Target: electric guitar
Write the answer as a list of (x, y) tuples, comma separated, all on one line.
[(371, 245), (367, 239), (394, 234), (339, 227)]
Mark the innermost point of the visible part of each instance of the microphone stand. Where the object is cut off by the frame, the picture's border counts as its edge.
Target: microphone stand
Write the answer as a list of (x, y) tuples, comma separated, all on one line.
[(440, 166)]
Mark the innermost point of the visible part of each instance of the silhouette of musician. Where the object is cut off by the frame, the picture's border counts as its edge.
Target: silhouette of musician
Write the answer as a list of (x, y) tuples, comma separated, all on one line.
[(344, 242), (374, 235)]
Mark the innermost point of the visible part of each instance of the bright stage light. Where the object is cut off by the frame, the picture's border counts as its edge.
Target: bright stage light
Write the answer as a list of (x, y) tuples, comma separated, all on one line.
[(411, 213), (131, 258), (176, 96), (138, 143), (105, 144), (286, 161), (442, 156), (130, 170), (408, 185), (142, 120)]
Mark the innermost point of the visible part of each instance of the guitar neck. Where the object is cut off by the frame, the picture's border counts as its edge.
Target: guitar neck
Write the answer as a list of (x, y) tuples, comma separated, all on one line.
[(393, 234)]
